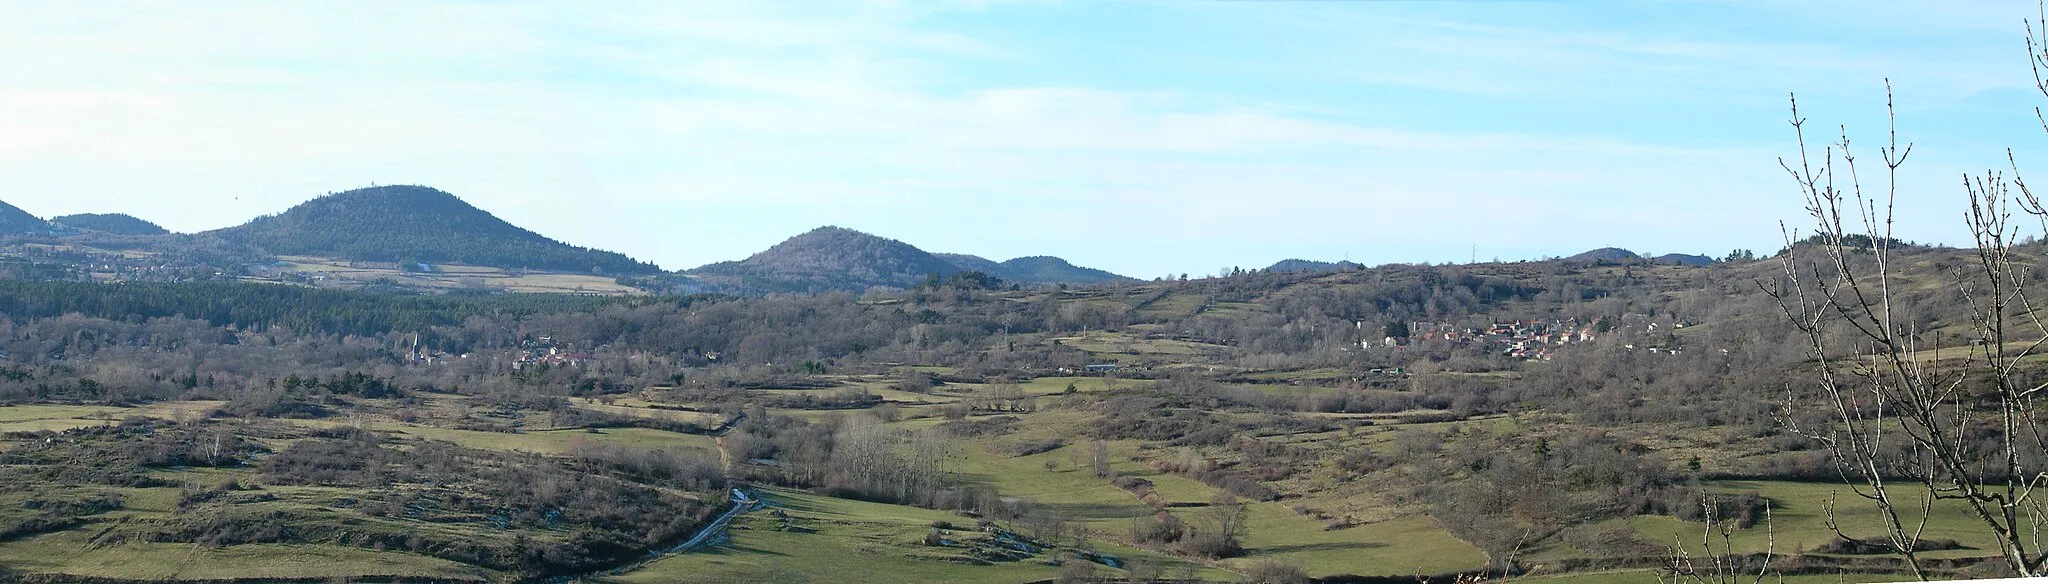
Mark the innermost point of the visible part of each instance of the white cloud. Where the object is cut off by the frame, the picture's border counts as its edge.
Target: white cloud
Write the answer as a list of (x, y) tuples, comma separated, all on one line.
[(690, 133)]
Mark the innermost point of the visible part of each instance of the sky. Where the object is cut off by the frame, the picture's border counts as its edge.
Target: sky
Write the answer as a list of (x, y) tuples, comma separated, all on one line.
[(1146, 137)]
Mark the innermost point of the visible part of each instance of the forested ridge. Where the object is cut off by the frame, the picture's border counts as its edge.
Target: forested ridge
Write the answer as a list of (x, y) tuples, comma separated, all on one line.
[(839, 259), (413, 224), (246, 305), (115, 223), (14, 220), (1048, 269), (832, 258)]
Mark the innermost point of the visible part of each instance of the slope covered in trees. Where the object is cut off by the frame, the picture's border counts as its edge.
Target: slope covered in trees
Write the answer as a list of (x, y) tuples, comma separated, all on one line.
[(415, 224), (831, 258), (1301, 265), (1031, 269), (244, 305), (115, 223), (840, 259), (1605, 254), (1048, 269), (974, 263), (1684, 259), (14, 220)]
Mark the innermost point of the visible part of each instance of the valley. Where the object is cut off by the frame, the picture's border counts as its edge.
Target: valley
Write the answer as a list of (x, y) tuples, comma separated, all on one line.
[(1523, 420), (1217, 292)]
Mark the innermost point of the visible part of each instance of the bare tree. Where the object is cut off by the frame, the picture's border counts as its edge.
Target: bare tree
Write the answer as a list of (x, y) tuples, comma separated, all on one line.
[(1221, 534), (1912, 424), (1098, 458), (1719, 564)]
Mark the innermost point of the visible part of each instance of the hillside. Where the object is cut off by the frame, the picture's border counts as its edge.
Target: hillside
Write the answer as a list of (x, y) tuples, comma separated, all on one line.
[(1031, 269), (115, 223), (1605, 254), (15, 220), (973, 263), (829, 258), (1049, 270), (415, 224), (1684, 259), (1608, 413), (836, 258), (1301, 265)]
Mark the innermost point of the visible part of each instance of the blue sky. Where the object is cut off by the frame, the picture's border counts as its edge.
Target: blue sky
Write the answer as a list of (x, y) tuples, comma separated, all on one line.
[(1148, 138)]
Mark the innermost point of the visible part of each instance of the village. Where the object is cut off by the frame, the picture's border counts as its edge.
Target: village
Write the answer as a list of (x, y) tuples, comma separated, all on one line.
[(34, 261), (543, 351), (1527, 339)]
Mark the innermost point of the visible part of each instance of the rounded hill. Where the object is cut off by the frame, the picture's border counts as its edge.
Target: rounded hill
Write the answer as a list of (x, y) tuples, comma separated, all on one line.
[(14, 220), (833, 258), (115, 223), (416, 224)]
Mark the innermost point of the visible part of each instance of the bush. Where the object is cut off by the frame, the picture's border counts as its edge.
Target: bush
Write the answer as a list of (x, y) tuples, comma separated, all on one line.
[(1743, 510), (1272, 571), (1211, 545), (1030, 448), (1077, 571), (991, 426), (1160, 529), (1363, 461), (1880, 546)]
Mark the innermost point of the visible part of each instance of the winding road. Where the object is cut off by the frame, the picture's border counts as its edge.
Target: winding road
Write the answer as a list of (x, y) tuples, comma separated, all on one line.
[(741, 503)]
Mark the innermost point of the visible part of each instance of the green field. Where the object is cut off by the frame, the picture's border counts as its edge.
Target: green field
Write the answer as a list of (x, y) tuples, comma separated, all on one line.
[(1799, 523), (1118, 344), (555, 441), (56, 412), (1398, 547), (1650, 577), (856, 541), (638, 409), (1056, 385), (72, 553), (457, 277), (1402, 546), (838, 540)]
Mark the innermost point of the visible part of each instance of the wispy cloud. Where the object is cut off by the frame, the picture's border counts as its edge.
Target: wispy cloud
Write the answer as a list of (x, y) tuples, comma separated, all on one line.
[(695, 132)]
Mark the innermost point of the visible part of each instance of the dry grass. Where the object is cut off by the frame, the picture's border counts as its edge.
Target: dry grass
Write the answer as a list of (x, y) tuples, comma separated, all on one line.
[(459, 276)]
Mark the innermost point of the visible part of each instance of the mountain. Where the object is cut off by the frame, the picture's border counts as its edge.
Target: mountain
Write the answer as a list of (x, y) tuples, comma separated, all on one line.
[(1684, 259), (1031, 269), (829, 258), (408, 224), (973, 263), (115, 223), (1300, 265), (835, 258), (1605, 254), (1052, 270), (14, 220)]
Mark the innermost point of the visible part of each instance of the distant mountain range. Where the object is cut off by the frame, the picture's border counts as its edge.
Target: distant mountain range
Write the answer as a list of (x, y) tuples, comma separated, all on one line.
[(115, 223), (415, 224), (836, 258), (406, 224)]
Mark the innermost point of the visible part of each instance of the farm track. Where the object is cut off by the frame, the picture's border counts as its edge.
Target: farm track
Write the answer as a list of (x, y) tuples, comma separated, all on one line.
[(741, 504)]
